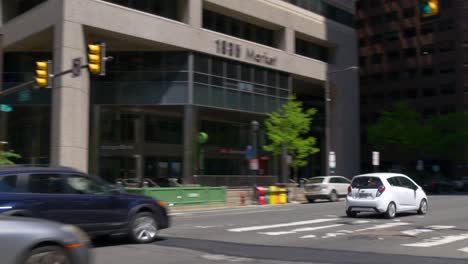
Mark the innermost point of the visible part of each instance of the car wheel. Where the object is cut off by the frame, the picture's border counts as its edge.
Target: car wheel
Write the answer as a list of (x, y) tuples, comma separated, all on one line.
[(422, 207), (333, 197), (144, 228), (351, 214), (391, 211), (310, 199), (47, 255)]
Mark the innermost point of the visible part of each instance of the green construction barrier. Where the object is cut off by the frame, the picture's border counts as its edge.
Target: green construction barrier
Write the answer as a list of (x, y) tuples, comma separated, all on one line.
[(178, 196)]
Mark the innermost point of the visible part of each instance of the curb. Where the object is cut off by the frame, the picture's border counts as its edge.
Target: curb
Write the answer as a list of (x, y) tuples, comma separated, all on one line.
[(208, 207)]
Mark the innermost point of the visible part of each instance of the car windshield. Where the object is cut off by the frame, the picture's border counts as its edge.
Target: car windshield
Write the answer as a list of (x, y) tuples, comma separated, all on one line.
[(316, 180), (366, 183)]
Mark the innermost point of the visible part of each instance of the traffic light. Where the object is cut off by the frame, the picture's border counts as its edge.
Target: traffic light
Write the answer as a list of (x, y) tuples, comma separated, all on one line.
[(97, 58), (429, 8), (43, 75)]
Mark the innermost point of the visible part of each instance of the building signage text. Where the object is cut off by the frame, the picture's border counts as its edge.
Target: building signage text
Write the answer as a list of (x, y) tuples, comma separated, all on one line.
[(236, 50)]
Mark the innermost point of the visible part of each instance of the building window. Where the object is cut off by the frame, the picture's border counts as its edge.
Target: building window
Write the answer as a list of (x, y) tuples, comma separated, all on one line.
[(446, 25), (362, 61), (427, 71), (362, 42), (446, 69), (377, 77), (446, 46), (448, 89), (329, 11), (409, 53), (427, 50), (427, 29), (393, 55), (359, 23), (375, 20), (394, 75), (164, 8), (163, 129), (376, 39), (376, 59), (429, 92), (412, 93), (312, 50), (409, 32), (409, 12), (237, 28), (409, 74), (393, 16), (392, 36)]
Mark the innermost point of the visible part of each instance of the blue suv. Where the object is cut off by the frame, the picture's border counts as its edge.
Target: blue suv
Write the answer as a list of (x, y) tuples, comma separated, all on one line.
[(69, 196)]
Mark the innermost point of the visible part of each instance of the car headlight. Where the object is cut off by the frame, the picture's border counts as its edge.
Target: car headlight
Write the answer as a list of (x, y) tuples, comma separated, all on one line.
[(82, 237)]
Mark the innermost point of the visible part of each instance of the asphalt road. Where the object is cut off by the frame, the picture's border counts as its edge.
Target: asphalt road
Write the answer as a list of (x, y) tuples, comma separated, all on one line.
[(304, 233)]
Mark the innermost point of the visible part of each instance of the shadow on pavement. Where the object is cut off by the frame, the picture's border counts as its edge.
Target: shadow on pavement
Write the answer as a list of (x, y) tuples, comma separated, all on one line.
[(110, 241), (297, 254)]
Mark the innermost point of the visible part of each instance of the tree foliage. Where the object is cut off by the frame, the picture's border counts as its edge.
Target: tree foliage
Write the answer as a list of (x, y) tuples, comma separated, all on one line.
[(288, 128), (7, 156), (440, 135)]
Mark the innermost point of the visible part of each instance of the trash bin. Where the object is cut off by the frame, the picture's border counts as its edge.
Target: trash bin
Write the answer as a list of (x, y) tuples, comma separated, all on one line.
[(260, 193)]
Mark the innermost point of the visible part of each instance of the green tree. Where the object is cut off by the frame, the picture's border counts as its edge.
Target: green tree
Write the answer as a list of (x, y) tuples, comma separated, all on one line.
[(288, 129), (403, 129), (400, 129), (6, 156)]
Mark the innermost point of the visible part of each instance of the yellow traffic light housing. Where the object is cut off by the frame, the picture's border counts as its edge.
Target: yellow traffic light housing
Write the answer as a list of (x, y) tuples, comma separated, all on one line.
[(43, 75), (97, 58), (429, 8)]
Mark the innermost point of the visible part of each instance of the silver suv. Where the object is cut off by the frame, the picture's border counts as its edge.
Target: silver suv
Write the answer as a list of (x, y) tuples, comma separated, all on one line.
[(326, 187)]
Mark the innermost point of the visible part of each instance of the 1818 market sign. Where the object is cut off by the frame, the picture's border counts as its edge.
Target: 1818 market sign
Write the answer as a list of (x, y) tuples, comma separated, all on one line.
[(236, 50)]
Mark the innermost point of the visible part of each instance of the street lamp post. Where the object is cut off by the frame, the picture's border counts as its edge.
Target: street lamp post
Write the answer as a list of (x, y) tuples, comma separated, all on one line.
[(254, 125), (328, 117)]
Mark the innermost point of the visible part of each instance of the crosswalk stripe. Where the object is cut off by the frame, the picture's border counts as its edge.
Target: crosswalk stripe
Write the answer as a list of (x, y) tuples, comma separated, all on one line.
[(464, 249), (437, 241), (254, 228), (305, 229), (417, 231)]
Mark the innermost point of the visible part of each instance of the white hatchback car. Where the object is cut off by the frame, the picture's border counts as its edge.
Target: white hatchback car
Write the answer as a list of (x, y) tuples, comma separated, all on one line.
[(387, 193), (326, 187)]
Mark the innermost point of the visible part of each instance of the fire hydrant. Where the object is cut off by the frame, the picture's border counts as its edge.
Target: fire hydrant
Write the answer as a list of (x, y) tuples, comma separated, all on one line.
[(242, 198)]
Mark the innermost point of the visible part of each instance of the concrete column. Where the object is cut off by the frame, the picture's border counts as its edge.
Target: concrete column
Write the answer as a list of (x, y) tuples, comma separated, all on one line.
[(1, 13), (191, 12), (286, 40), (70, 99), (345, 137), (190, 130)]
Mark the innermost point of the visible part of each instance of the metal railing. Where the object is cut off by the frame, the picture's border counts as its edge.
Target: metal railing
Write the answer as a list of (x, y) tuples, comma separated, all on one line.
[(235, 180)]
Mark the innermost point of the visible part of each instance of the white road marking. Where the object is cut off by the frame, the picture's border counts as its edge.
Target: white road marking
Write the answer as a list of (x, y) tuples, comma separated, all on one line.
[(305, 229), (440, 227), (383, 226), (357, 222), (345, 231), (224, 258), (417, 231), (254, 228), (437, 241), (204, 227), (6, 207), (464, 249), (333, 235), (308, 236), (331, 216)]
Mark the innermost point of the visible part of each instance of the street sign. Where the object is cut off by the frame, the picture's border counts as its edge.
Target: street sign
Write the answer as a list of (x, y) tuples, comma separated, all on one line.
[(5, 108), (24, 96), (332, 160), (76, 67), (375, 158), (253, 164), (249, 153)]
